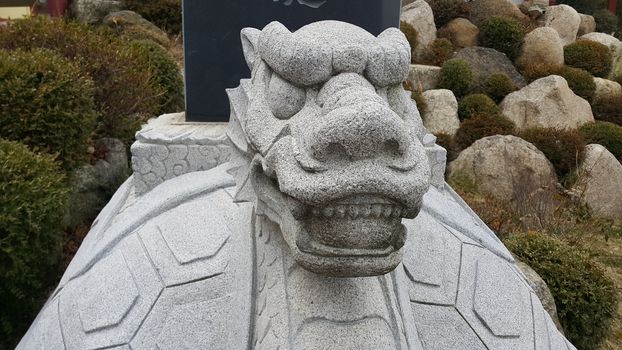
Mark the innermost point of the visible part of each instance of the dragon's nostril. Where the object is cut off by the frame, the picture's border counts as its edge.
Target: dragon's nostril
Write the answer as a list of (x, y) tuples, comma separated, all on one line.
[(392, 148)]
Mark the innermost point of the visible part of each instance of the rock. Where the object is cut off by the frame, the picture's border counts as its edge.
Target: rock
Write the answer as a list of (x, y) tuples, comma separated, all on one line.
[(565, 20), (587, 25), (419, 15), (542, 291), (605, 39), (599, 182), (92, 185), (480, 10), (461, 32), (92, 11), (422, 77), (542, 45), (606, 89), (135, 26), (441, 113), (502, 165), (616, 62), (485, 61), (547, 102)]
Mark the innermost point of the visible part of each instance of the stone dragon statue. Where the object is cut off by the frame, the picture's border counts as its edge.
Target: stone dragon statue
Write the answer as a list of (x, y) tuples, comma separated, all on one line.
[(331, 227)]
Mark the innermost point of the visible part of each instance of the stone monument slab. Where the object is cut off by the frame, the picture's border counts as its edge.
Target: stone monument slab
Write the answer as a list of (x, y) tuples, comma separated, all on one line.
[(213, 52)]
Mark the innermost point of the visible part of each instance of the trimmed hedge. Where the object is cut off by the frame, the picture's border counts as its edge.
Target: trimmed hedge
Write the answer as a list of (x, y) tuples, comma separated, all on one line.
[(457, 76), (476, 104), (503, 34), (33, 197), (47, 103), (166, 74), (585, 297), (563, 148), (125, 91), (608, 109), (166, 14), (480, 126), (589, 55), (498, 86), (536, 71), (606, 134)]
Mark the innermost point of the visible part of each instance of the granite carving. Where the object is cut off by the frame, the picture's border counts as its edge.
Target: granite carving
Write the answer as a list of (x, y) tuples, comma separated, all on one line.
[(330, 227)]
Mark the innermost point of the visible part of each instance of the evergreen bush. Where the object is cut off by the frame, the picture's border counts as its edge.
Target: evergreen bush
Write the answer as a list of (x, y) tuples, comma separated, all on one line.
[(482, 125), (498, 86), (439, 51), (563, 148), (585, 297), (33, 197), (476, 104), (446, 10), (606, 22), (457, 76), (606, 134), (580, 81), (47, 103), (503, 34), (125, 92), (589, 55)]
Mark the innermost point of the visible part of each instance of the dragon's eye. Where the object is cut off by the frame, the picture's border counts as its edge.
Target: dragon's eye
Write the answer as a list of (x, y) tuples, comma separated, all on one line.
[(285, 99)]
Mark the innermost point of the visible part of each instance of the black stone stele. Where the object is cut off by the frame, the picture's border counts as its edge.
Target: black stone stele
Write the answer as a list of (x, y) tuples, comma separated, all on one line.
[(213, 51)]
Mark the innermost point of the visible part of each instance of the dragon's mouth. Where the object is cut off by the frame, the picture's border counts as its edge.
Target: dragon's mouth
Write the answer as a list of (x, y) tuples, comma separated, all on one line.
[(358, 230)]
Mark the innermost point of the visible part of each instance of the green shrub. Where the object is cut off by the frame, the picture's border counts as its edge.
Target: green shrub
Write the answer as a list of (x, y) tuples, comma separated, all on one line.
[(457, 76), (503, 34), (411, 35), (606, 134), (446, 10), (439, 51), (32, 203), (563, 148), (589, 55), (608, 109), (125, 92), (480, 126), (606, 22), (166, 14), (476, 104), (47, 103), (585, 297), (498, 86), (580, 81), (536, 71), (166, 74)]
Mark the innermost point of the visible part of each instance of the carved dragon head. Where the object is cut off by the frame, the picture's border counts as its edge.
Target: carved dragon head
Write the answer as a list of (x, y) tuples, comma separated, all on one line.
[(328, 143)]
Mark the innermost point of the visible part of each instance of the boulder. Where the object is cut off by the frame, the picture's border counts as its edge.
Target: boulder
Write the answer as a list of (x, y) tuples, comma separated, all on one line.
[(605, 39), (92, 185), (606, 89), (419, 15), (480, 10), (565, 20), (422, 77), (542, 291), (502, 166), (92, 11), (547, 102), (587, 25), (616, 62), (440, 115), (485, 61), (461, 32), (542, 45), (599, 182), (135, 26)]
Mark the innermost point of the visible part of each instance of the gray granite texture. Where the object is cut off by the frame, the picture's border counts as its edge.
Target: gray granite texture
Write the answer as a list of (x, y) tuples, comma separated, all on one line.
[(252, 254)]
